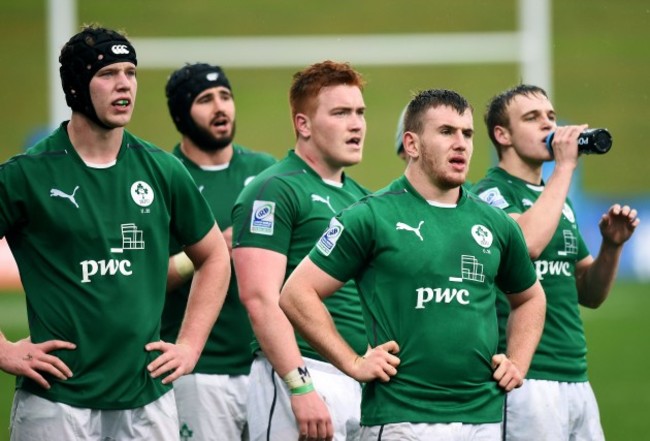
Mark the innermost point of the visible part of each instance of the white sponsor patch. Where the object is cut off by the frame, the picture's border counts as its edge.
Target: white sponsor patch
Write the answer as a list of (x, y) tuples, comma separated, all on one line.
[(328, 240), (494, 197), (263, 217)]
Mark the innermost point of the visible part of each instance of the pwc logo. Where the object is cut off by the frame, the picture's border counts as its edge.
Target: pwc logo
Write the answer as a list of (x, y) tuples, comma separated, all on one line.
[(132, 239), (120, 49)]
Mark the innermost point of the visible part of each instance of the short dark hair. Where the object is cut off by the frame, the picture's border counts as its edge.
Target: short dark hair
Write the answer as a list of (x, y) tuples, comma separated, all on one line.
[(432, 98), (496, 111)]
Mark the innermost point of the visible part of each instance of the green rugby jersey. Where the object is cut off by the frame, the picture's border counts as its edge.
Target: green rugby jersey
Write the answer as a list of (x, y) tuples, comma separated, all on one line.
[(562, 351), (426, 276), (226, 351), (286, 209), (92, 246)]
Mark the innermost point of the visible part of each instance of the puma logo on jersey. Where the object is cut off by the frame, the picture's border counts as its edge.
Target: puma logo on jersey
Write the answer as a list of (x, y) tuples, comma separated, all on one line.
[(326, 201), (403, 226), (55, 193)]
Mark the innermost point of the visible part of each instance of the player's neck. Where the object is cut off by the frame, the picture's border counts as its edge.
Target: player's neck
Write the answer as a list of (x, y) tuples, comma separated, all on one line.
[(94, 144), (315, 160), (529, 171), (204, 158), (426, 186)]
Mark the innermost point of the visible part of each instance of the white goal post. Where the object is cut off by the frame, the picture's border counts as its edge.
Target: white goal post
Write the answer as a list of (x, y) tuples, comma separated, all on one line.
[(529, 46)]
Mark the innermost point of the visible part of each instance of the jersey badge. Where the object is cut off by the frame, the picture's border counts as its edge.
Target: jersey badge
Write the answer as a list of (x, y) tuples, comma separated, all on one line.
[(142, 193), (494, 197), (328, 240), (56, 193), (482, 235), (405, 227), (263, 218)]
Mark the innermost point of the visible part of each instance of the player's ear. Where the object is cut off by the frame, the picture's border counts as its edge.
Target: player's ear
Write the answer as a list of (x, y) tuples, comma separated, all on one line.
[(302, 124), (502, 135), (411, 142)]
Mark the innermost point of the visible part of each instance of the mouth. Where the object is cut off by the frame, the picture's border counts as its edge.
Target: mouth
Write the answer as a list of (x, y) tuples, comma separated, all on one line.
[(220, 122), (458, 162), (122, 103), (354, 142)]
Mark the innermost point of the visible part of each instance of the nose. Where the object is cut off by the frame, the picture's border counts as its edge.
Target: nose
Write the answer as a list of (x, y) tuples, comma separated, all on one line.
[(461, 142), (123, 80), (548, 123), (357, 122)]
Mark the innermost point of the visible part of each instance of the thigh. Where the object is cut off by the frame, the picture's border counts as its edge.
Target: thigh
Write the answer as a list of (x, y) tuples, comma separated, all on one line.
[(36, 419), (537, 410), (585, 416), (343, 397), (212, 406), (268, 405), (157, 420), (427, 432)]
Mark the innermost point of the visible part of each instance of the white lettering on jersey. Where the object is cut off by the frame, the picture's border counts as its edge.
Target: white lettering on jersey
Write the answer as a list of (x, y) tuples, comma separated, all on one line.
[(553, 268), (110, 267), (55, 193), (263, 218), (494, 197), (328, 240), (403, 226), (439, 295), (132, 239)]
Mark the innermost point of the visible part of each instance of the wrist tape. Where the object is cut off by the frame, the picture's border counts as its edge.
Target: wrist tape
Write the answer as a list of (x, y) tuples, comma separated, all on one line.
[(183, 265), (299, 381)]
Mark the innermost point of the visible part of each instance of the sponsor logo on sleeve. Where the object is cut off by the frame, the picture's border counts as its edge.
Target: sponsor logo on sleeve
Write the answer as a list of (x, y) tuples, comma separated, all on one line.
[(263, 218), (494, 197), (328, 240)]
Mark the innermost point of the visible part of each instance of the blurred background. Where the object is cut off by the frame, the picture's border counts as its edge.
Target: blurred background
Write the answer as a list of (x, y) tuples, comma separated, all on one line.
[(599, 63)]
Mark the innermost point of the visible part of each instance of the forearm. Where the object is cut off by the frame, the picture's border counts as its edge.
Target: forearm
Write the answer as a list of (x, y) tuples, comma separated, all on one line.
[(207, 294), (525, 326), (540, 221), (275, 335), (596, 281), (310, 318)]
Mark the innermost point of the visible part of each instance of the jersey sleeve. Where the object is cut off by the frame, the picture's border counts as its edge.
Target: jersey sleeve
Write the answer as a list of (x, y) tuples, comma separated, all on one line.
[(346, 244), (496, 195), (191, 217), (264, 214), (10, 187), (516, 271)]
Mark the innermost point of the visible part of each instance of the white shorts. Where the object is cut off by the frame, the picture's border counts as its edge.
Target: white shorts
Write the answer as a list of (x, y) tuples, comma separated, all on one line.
[(427, 432), (212, 407), (36, 419), (551, 411), (269, 406)]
